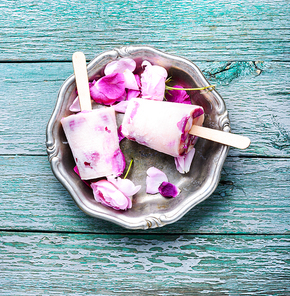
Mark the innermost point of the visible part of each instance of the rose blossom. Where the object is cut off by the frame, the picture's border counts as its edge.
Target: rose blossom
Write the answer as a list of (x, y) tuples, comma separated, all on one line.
[(109, 195), (153, 81), (126, 66)]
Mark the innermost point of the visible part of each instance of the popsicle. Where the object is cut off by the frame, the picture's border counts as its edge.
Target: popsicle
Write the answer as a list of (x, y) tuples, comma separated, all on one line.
[(172, 128), (92, 134), (163, 126)]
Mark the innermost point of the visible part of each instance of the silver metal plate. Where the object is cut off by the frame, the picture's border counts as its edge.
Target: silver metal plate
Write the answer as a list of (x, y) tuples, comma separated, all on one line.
[(148, 211)]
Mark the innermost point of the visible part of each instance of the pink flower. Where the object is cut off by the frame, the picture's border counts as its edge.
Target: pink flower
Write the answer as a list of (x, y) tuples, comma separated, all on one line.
[(126, 66), (177, 95), (126, 186), (108, 89), (157, 181), (153, 81), (109, 195)]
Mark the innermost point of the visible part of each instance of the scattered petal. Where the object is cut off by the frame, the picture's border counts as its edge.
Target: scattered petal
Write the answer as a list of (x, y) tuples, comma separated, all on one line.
[(120, 66), (75, 106), (113, 86), (183, 163), (126, 66), (167, 189), (108, 89), (130, 81), (131, 94), (154, 180)]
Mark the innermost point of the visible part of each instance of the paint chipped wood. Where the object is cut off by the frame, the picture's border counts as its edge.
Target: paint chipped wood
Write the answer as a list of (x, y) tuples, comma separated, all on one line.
[(234, 243)]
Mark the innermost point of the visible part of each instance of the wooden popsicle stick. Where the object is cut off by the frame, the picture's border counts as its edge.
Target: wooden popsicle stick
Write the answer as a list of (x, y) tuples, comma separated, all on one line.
[(82, 81), (221, 137)]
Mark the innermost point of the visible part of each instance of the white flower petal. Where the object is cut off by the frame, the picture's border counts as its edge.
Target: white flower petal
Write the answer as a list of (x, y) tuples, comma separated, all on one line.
[(75, 106), (183, 163), (126, 186), (130, 80), (120, 66)]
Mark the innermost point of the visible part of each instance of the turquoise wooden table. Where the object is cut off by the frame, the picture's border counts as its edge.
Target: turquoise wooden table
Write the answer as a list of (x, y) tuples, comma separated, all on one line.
[(236, 242)]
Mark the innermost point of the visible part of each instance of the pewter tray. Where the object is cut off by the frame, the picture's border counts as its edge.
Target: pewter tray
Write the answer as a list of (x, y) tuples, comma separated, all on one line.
[(148, 211)]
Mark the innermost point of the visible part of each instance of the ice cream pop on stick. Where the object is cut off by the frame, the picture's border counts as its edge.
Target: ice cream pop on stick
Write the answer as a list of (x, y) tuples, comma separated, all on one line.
[(172, 128), (163, 126), (92, 134)]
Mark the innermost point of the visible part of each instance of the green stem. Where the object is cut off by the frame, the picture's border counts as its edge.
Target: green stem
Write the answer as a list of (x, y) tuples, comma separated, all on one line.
[(129, 168), (210, 87)]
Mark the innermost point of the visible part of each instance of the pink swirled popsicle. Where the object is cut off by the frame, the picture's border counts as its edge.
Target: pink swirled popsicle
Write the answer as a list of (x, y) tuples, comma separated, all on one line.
[(93, 139), (163, 126), (92, 134)]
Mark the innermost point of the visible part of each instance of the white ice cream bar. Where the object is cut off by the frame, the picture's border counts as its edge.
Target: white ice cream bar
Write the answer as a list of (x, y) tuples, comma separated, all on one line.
[(93, 139), (163, 126)]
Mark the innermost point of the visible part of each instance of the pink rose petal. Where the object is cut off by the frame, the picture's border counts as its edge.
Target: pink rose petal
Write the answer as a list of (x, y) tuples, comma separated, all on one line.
[(75, 106), (131, 94), (126, 186), (130, 81), (120, 66), (108, 89), (113, 86), (154, 180), (126, 66), (183, 163), (138, 80), (121, 106), (177, 95), (167, 189)]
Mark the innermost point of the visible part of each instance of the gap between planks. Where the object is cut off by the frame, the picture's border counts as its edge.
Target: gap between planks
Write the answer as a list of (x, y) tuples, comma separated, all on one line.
[(141, 233)]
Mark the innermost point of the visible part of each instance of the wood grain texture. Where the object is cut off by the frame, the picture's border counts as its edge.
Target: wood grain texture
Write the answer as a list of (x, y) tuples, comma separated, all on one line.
[(257, 98), (85, 264), (211, 30), (252, 197), (234, 243)]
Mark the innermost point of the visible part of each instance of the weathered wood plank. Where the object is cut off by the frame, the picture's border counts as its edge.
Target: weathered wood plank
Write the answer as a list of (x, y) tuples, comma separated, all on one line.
[(257, 97), (235, 242), (215, 30), (78, 264), (252, 197)]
